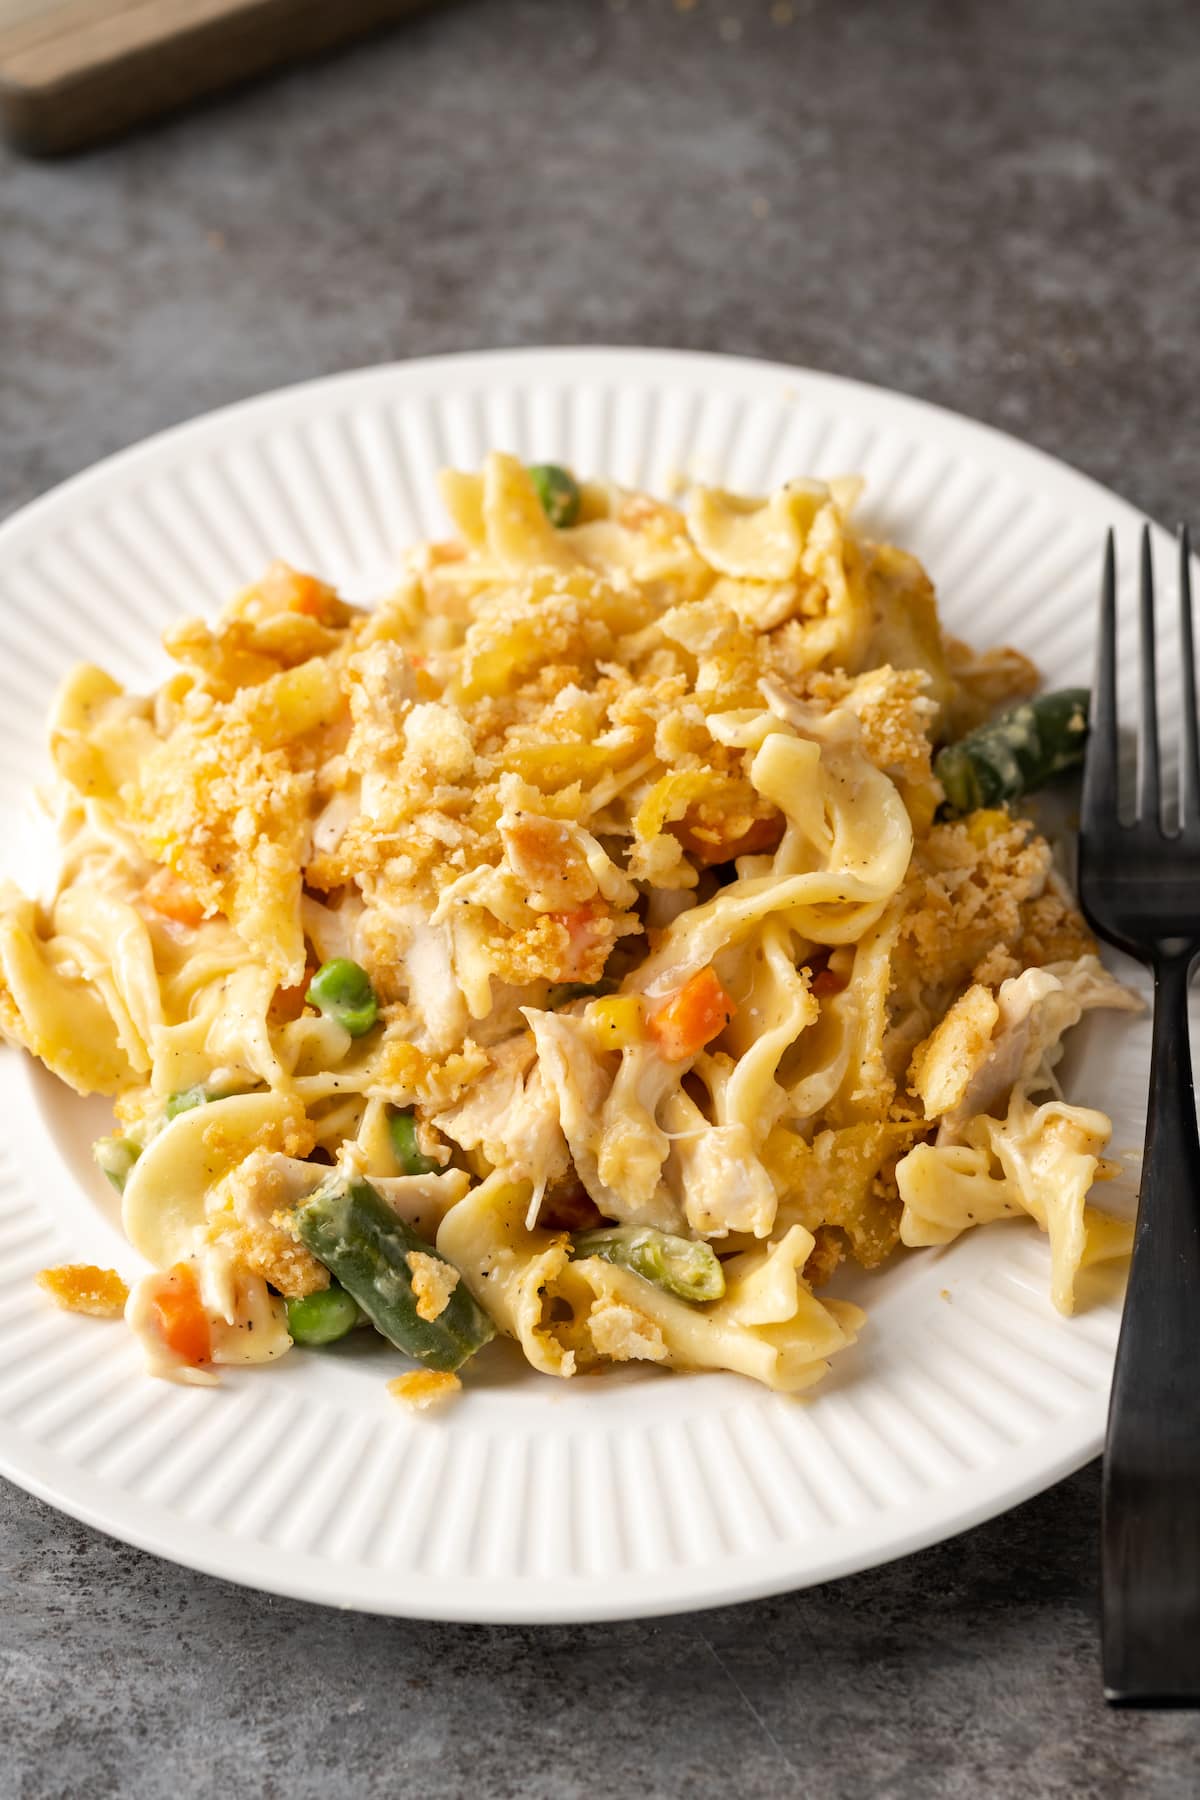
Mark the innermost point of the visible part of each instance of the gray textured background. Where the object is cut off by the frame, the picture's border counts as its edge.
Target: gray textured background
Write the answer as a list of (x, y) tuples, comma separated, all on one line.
[(992, 205)]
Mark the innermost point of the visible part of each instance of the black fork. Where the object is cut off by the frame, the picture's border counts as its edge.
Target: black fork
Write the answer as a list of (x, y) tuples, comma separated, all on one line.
[(1140, 888)]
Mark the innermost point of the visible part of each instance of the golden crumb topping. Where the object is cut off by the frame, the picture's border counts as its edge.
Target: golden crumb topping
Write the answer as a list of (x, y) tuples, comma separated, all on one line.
[(942, 1066), (623, 1334), (425, 1388), (433, 1282), (82, 1288)]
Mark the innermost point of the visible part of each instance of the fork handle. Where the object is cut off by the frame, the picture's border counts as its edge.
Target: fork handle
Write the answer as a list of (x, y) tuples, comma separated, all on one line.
[(1151, 1529)]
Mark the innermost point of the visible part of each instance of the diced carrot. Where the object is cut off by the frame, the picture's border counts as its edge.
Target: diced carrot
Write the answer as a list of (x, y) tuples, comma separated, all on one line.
[(285, 589), (827, 982), (182, 1321), (170, 895), (310, 598), (446, 550), (692, 1017)]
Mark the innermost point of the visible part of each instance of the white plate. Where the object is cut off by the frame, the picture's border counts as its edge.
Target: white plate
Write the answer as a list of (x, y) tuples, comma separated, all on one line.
[(532, 1499)]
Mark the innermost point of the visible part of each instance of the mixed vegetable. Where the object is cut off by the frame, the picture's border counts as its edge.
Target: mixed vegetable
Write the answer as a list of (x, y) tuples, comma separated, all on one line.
[(1015, 753), (183, 1323), (402, 1128), (115, 1157), (685, 1267), (410, 1293), (342, 991), (185, 1100), (558, 491), (324, 1317)]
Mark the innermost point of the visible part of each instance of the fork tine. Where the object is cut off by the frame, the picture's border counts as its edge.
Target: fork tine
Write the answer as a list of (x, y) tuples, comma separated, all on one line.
[(1148, 801), (1099, 804), (1189, 771)]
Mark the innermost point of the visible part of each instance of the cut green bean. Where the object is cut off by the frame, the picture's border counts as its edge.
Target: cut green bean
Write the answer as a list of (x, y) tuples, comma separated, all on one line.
[(558, 491), (681, 1266), (405, 1148), (1016, 753), (322, 1318), (185, 1100), (342, 990), (115, 1156), (350, 1228), (200, 1095)]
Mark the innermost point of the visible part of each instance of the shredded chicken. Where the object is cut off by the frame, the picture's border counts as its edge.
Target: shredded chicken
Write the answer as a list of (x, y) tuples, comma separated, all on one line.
[(986, 1044), (510, 1113)]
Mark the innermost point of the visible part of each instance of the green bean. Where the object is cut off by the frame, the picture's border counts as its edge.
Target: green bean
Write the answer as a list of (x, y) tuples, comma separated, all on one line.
[(185, 1099), (342, 990), (1016, 753), (116, 1157), (408, 1153), (322, 1318), (681, 1266), (558, 491), (350, 1228)]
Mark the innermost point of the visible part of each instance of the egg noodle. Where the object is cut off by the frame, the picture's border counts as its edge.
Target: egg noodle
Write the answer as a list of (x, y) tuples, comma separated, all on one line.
[(631, 828)]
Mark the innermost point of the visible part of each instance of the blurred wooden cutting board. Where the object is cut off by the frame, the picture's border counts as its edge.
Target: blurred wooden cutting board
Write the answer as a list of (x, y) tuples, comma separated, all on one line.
[(75, 71)]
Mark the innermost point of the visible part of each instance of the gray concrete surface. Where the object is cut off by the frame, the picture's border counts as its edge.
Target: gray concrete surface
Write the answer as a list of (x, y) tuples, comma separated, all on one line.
[(993, 205)]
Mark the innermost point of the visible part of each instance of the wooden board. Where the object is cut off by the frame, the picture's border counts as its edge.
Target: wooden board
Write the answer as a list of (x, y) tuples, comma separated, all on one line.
[(75, 71)]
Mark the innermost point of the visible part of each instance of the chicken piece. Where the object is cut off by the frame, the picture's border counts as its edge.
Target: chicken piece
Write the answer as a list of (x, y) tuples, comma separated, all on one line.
[(986, 1045), (608, 1117), (716, 1172), (633, 1147), (511, 1114), (580, 1082)]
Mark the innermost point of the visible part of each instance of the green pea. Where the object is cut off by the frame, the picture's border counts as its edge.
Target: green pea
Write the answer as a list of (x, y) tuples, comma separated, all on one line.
[(322, 1318), (558, 491), (412, 1160), (342, 990), (185, 1100)]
